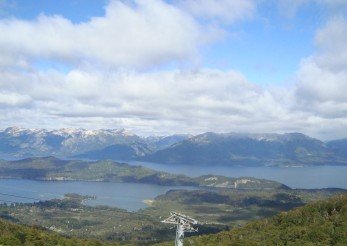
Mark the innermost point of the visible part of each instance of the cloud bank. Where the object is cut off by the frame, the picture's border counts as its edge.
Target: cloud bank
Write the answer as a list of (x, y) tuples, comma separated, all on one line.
[(148, 34), (112, 83)]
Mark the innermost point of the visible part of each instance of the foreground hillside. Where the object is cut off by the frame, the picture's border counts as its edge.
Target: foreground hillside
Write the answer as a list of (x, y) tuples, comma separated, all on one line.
[(319, 223), (217, 209), (13, 234)]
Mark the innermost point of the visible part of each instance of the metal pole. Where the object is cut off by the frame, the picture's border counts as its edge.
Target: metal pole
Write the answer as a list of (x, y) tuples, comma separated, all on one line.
[(183, 224), (179, 235)]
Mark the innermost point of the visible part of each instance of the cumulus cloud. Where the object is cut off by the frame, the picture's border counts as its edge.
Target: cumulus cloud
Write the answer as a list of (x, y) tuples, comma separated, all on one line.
[(13, 99), (201, 100), (139, 34), (155, 102), (166, 102), (111, 92), (322, 82), (132, 34)]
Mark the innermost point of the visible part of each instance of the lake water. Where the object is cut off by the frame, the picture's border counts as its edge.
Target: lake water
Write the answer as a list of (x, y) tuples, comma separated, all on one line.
[(128, 196), (295, 177)]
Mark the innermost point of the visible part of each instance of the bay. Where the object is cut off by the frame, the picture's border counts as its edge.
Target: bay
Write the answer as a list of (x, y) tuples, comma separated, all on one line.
[(129, 196)]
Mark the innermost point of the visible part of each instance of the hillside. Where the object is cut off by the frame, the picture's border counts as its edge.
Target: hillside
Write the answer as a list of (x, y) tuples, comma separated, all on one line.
[(163, 142), (339, 147), (14, 234), (115, 152), (290, 149), (51, 168), (217, 209), (319, 223)]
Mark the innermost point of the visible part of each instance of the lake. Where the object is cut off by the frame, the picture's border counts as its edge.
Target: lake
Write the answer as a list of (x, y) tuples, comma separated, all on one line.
[(295, 177), (128, 196)]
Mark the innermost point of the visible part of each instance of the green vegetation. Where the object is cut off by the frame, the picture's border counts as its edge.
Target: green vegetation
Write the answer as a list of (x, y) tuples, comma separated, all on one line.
[(233, 208), (51, 168), (13, 234), (70, 217), (219, 203), (319, 223), (238, 183), (217, 208)]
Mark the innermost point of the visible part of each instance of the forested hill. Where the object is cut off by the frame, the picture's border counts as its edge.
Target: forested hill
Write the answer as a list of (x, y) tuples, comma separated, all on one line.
[(319, 223), (51, 168), (13, 234)]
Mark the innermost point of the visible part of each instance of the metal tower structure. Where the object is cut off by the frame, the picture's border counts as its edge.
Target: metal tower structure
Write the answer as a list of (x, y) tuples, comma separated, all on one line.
[(184, 224)]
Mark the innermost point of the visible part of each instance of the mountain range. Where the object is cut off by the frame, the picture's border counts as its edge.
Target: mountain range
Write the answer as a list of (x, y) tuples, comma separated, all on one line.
[(289, 149), (252, 150)]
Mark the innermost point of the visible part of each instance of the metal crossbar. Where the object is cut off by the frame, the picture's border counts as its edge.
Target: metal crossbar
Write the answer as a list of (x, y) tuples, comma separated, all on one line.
[(184, 224)]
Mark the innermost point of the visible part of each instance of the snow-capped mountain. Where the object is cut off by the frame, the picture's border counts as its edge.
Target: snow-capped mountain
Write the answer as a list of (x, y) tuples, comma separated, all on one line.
[(203, 149), (20, 142)]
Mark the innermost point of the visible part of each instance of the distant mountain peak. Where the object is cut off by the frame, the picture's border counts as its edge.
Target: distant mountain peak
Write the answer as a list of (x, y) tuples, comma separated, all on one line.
[(15, 130), (124, 132)]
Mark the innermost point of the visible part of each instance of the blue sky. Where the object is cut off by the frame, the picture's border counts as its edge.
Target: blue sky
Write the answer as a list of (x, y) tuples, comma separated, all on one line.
[(266, 48), (254, 65)]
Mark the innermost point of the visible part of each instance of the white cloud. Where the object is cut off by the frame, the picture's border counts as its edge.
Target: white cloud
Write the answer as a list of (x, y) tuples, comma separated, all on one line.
[(139, 34), (171, 102), (202, 100), (331, 43), (132, 34), (158, 102), (13, 99), (322, 81), (150, 33)]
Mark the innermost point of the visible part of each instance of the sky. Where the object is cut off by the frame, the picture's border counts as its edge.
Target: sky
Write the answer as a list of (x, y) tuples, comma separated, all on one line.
[(159, 67)]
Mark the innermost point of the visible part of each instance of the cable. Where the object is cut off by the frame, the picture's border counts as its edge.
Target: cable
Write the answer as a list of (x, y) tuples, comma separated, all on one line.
[(25, 197)]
